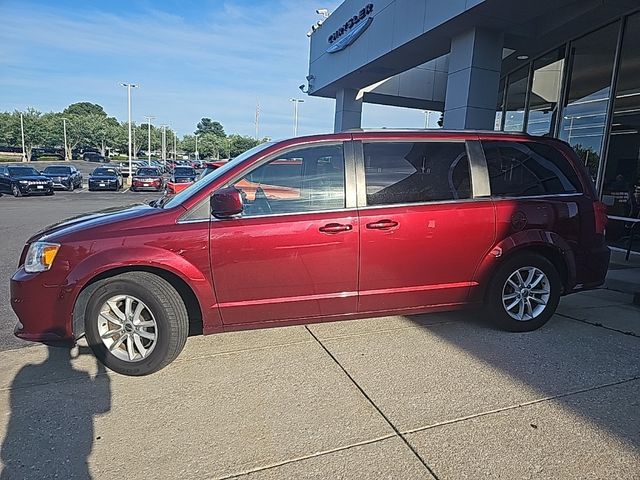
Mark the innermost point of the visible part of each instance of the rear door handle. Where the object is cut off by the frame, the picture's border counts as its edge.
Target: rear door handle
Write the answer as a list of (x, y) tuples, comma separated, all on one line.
[(382, 225), (335, 228)]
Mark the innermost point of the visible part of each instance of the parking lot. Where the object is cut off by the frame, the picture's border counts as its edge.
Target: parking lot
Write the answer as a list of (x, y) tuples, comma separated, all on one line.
[(431, 396)]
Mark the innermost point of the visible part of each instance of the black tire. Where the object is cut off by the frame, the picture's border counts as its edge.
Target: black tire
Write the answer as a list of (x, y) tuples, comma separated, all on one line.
[(49, 193), (168, 310), (496, 311), (16, 190)]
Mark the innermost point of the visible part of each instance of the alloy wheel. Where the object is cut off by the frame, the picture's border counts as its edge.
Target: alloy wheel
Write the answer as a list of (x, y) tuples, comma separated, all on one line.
[(127, 328), (526, 293)]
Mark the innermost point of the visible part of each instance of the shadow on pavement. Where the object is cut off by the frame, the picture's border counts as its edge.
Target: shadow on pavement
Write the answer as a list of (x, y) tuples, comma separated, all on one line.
[(50, 433), (564, 360)]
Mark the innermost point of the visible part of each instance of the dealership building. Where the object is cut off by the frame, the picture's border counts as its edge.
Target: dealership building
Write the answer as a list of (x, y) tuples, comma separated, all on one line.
[(563, 68)]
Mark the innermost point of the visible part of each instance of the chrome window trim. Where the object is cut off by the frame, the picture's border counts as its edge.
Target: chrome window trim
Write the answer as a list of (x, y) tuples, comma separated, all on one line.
[(280, 215), (533, 197), (425, 204)]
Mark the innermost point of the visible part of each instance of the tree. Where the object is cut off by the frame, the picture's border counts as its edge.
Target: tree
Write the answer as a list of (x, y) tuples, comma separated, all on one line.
[(34, 130), (206, 125), (85, 108), (239, 144)]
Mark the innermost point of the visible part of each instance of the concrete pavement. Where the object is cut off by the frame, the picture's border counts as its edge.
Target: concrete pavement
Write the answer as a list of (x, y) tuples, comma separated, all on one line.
[(440, 395)]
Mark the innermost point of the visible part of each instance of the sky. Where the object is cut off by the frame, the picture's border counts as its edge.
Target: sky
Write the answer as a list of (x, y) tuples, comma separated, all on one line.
[(214, 59)]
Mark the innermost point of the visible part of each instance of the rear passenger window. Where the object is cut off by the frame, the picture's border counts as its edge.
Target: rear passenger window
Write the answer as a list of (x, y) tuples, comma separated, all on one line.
[(413, 172), (527, 169)]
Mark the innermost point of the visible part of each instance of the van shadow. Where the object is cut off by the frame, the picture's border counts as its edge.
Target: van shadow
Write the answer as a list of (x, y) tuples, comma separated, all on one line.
[(591, 372), (50, 433)]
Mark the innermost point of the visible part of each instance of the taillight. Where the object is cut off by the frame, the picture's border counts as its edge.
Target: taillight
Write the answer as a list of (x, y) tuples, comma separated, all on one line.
[(601, 219)]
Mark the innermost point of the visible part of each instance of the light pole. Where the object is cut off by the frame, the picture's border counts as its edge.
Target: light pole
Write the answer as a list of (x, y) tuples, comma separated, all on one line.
[(129, 86), (175, 152), (164, 145), (24, 151), (295, 101), (197, 154), (64, 128), (149, 118)]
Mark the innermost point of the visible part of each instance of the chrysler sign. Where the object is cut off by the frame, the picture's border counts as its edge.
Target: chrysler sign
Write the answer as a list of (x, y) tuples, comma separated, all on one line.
[(351, 30)]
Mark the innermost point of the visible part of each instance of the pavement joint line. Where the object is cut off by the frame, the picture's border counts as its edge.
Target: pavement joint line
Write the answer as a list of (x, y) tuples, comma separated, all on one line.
[(597, 324), (307, 457), (387, 330), (366, 396), (520, 405)]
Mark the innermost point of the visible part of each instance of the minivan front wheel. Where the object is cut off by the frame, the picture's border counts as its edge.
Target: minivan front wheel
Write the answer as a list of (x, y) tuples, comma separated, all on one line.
[(136, 323), (524, 293)]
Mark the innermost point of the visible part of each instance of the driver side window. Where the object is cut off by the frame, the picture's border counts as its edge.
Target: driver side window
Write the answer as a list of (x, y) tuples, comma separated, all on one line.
[(305, 180)]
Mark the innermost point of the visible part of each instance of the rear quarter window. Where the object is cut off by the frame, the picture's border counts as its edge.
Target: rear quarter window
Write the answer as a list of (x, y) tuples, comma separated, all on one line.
[(520, 169)]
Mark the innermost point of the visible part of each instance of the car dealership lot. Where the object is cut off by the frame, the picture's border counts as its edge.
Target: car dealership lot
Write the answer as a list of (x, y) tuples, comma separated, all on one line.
[(393, 397)]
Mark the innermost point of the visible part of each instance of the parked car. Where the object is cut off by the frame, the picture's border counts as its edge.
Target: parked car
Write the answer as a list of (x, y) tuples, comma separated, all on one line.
[(323, 228), (181, 178), (21, 180), (147, 178), (64, 176), (94, 157), (210, 167), (105, 178)]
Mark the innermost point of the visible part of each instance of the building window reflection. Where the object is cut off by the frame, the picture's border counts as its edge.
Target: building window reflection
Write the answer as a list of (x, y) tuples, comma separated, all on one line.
[(621, 186), (584, 117), (544, 97), (515, 100), (500, 106)]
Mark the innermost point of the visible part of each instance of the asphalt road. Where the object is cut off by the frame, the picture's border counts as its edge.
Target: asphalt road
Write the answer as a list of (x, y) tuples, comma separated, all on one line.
[(22, 217)]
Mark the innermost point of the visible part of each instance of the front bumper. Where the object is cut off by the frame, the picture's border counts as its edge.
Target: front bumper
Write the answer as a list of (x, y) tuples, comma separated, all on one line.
[(97, 185), (45, 312), (62, 183), (34, 190)]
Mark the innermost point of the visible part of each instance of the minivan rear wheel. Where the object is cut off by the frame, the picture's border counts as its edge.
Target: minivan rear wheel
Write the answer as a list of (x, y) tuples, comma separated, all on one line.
[(136, 323), (524, 293)]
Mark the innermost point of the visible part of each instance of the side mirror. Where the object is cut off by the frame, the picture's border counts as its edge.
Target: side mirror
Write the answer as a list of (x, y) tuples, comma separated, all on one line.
[(226, 203)]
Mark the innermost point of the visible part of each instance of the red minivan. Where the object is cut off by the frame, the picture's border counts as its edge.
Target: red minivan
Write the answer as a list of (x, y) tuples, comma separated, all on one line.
[(322, 228)]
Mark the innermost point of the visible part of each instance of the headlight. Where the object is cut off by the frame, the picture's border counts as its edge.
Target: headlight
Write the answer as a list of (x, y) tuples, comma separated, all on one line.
[(24, 182), (40, 256)]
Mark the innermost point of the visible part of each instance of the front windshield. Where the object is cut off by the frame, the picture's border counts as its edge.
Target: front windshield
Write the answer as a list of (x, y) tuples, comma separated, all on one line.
[(203, 182), (22, 171), (57, 170)]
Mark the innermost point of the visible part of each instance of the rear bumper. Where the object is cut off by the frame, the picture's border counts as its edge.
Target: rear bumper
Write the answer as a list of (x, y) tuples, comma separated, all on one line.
[(44, 311), (591, 268)]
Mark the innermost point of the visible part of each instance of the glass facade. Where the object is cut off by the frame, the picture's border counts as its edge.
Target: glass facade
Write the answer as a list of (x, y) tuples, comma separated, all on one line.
[(544, 98), (583, 122), (515, 102), (567, 93), (621, 186)]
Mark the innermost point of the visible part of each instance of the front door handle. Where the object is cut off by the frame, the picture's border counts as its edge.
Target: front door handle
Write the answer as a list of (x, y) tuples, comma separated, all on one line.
[(382, 225), (335, 228)]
